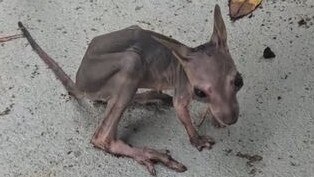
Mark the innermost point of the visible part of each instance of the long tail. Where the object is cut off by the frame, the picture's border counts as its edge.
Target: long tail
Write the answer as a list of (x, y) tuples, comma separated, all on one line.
[(52, 64)]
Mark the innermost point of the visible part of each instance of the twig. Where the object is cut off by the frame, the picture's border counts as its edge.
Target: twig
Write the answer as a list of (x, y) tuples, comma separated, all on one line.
[(8, 38)]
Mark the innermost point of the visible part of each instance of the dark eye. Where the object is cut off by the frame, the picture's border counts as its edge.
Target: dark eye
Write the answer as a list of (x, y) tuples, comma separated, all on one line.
[(238, 81), (199, 93)]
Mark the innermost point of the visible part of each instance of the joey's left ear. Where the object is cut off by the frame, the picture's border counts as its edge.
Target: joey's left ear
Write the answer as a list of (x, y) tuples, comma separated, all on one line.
[(219, 36), (180, 50)]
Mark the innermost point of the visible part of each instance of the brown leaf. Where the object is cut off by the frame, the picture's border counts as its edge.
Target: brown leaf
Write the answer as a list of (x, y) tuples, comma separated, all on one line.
[(241, 8)]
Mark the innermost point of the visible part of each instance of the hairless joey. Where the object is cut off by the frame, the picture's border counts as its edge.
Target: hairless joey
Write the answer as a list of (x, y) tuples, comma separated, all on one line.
[(119, 63)]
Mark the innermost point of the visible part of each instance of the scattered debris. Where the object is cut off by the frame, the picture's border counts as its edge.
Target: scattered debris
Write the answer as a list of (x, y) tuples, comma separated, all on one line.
[(30, 110), (284, 77), (268, 53), (144, 22), (227, 151), (251, 158), (253, 171), (7, 110), (93, 29), (241, 8), (138, 7), (294, 164), (66, 97), (35, 71)]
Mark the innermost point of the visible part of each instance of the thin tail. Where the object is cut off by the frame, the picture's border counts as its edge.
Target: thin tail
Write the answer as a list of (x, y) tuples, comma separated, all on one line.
[(52, 64)]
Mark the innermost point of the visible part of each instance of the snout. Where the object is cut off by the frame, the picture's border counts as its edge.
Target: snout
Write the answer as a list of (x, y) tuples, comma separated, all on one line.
[(231, 119), (226, 116)]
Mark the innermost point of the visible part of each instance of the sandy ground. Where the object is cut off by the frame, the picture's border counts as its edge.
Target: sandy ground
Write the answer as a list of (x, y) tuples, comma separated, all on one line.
[(43, 133)]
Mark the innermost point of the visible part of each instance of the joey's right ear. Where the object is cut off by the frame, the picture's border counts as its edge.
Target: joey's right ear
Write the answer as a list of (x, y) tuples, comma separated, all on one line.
[(180, 51), (219, 36)]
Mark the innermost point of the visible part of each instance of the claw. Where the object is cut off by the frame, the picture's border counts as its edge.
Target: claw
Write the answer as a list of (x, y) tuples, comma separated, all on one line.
[(150, 168), (164, 151), (202, 142), (153, 172), (148, 157)]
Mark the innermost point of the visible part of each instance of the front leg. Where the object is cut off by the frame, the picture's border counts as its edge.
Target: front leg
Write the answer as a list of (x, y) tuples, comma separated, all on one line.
[(125, 84), (105, 139), (200, 142)]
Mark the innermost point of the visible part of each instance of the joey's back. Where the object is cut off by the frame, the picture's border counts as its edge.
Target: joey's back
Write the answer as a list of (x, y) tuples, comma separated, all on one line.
[(156, 61)]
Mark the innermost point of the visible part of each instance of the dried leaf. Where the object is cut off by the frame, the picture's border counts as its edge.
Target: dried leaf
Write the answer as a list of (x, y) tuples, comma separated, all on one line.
[(241, 8)]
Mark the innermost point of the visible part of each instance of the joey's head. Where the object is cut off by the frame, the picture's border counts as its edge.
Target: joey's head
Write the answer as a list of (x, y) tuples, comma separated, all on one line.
[(211, 72)]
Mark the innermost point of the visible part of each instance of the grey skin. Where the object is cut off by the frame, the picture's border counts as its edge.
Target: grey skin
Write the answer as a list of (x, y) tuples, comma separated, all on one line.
[(117, 64)]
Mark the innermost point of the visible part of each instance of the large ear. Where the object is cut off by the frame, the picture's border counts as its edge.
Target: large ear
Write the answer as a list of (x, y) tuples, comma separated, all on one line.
[(219, 36), (180, 51)]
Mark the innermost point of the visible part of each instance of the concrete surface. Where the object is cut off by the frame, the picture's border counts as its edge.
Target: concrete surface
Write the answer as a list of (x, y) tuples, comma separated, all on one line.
[(43, 133)]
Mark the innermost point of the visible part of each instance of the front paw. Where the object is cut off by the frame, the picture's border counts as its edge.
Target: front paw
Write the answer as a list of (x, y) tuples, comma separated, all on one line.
[(201, 142), (149, 157)]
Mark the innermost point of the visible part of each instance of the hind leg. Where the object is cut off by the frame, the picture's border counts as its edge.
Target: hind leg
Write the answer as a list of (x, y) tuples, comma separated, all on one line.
[(125, 84), (152, 97), (147, 98)]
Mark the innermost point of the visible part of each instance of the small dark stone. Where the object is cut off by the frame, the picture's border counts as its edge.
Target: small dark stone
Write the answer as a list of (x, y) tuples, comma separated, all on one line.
[(268, 53), (279, 98), (294, 164), (138, 8), (302, 22)]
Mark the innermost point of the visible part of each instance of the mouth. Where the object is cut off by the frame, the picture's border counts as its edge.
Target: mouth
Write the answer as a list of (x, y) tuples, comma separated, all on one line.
[(222, 124), (219, 121)]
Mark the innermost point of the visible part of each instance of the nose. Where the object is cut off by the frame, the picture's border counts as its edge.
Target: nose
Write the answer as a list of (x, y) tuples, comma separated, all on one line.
[(227, 111), (228, 116), (231, 118)]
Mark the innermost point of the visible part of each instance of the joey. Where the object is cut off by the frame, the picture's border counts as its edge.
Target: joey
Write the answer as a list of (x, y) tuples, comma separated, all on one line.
[(119, 63)]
